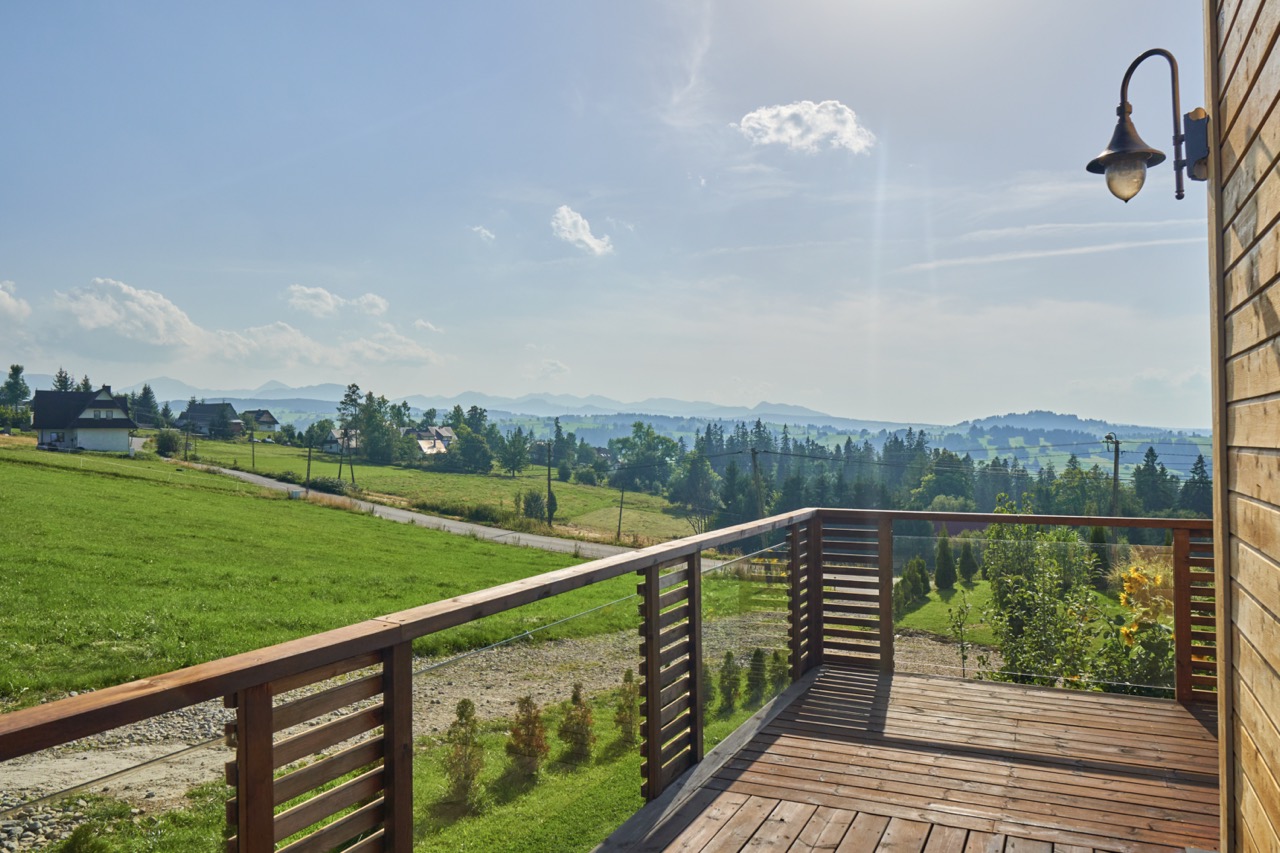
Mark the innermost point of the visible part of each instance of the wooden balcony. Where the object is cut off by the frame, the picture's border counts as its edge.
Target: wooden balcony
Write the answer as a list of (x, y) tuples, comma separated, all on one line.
[(867, 761), (855, 754)]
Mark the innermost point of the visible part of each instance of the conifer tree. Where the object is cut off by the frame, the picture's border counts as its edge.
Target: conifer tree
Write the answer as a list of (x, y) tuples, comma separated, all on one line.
[(944, 572)]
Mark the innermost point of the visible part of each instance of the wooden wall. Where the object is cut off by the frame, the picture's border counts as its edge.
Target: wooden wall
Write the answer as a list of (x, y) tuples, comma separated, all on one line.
[(1243, 83)]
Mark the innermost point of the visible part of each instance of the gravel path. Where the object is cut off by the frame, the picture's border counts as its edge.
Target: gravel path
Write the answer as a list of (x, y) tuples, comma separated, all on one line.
[(494, 679)]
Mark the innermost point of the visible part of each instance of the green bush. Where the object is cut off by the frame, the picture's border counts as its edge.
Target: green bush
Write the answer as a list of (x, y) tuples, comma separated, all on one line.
[(968, 567), (527, 742), (168, 442), (730, 683), (586, 476), (627, 715), (464, 760), (329, 485), (779, 671), (577, 729)]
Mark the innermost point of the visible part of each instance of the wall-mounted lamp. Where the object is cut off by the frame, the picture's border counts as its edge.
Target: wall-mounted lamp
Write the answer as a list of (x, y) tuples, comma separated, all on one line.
[(1126, 157)]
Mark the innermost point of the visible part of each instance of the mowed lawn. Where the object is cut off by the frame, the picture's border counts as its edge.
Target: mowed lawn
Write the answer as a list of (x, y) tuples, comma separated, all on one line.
[(114, 569), (588, 510)]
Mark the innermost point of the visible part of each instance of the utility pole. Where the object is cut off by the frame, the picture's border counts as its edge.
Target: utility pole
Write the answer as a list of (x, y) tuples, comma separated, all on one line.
[(1110, 438), (309, 443), (622, 494), (549, 513), (757, 484)]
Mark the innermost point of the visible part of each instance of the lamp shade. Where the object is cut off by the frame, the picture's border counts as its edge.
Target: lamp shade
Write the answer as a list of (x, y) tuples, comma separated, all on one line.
[(1125, 145)]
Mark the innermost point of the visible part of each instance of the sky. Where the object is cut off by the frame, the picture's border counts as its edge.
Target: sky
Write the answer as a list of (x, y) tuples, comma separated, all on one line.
[(877, 210)]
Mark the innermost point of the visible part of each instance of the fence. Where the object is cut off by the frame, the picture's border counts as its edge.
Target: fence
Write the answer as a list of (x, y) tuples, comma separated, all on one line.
[(839, 582)]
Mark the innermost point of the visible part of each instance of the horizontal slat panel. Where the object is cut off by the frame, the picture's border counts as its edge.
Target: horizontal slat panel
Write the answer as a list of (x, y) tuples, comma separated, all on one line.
[(309, 707), (871, 638), (673, 728), (327, 769), (341, 830), (327, 804), (674, 709), (324, 736), (672, 750)]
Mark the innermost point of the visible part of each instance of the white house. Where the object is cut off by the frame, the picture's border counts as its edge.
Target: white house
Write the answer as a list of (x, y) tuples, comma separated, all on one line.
[(85, 420)]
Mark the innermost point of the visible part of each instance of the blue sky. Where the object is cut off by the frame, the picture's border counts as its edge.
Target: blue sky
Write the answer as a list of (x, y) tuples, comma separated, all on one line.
[(879, 210)]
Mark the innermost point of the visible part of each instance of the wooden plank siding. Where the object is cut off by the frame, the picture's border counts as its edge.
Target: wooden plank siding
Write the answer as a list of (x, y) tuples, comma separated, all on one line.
[(1242, 49)]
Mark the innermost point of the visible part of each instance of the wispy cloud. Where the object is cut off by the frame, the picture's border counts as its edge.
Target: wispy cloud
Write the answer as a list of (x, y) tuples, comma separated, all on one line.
[(1037, 254), (145, 319), (11, 305), (807, 126), (427, 326), (1063, 229), (570, 226), (686, 102), (548, 368), (484, 233), (319, 302)]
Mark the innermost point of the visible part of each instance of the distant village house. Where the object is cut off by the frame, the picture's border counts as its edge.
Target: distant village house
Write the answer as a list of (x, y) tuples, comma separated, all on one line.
[(83, 420), (433, 440), (200, 418), (263, 420)]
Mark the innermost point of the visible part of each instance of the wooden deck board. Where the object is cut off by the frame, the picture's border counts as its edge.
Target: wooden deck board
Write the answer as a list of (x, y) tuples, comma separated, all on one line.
[(876, 763)]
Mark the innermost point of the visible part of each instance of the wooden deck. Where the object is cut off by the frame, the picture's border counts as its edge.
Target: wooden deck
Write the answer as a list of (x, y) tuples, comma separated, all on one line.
[(865, 762)]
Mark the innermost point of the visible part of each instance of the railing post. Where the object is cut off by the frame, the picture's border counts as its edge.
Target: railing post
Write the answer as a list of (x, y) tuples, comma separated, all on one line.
[(695, 653), (652, 665), (255, 801), (796, 603), (885, 556), (397, 734), (814, 592), (1182, 614)]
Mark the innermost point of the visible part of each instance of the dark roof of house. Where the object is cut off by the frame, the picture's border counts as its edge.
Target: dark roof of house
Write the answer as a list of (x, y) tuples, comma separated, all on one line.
[(61, 410), (262, 416), (208, 411)]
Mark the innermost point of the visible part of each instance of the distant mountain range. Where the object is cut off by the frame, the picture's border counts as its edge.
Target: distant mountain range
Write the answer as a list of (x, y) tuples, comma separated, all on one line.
[(322, 399)]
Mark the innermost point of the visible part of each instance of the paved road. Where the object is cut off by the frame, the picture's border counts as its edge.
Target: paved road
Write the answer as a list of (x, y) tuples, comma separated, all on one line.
[(590, 550)]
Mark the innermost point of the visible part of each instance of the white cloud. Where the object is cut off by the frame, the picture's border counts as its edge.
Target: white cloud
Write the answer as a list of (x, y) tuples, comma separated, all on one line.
[(548, 368), (485, 234), (387, 346), (11, 305), (122, 313), (138, 315), (807, 126), (319, 302), (427, 326), (1037, 254), (570, 226)]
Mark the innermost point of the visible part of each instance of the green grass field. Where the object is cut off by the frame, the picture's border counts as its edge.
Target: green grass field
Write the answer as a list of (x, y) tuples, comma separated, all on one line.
[(582, 510), (115, 569)]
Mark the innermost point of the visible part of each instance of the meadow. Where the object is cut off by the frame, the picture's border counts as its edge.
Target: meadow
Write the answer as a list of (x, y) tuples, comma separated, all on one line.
[(115, 569), (587, 511)]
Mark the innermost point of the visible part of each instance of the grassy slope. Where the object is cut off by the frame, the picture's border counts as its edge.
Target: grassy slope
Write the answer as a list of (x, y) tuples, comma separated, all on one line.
[(115, 569), (592, 509)]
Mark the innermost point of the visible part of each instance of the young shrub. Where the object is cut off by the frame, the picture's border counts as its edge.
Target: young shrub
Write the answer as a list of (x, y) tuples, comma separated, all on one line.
[(585, 476), (577, 729), (564, 471), (730, 683), (627, 715), (944, 572), (527, 742), (464, 759), (968, 567), (779, 671), (757, 678), (534, 505), (708, 692)]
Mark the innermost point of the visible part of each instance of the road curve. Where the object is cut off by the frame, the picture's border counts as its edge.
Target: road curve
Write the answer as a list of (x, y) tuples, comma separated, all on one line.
[(589, 550)]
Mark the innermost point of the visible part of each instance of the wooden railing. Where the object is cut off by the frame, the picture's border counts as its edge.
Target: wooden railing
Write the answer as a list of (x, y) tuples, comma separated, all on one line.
[(840, 583)]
